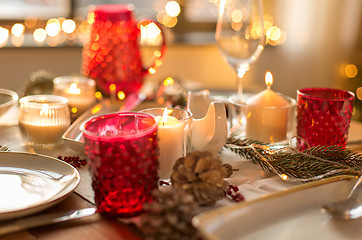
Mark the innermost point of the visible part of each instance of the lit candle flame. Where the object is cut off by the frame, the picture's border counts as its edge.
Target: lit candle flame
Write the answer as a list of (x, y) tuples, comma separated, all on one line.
[(164, 116), (73, 89), (268, 79)]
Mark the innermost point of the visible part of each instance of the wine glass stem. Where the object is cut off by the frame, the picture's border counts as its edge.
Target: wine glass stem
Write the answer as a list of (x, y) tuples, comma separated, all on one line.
[(240, 75)]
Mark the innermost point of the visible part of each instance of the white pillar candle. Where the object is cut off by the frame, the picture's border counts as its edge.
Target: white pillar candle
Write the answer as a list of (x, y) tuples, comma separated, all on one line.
[(170, 142), (267, 115), (79, 91)]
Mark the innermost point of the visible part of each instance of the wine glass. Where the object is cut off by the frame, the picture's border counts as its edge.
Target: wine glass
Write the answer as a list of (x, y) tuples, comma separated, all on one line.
[(240, 34)]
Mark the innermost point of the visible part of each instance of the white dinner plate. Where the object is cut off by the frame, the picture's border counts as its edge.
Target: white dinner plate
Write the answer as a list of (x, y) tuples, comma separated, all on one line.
[(30, 183), (294, 213)]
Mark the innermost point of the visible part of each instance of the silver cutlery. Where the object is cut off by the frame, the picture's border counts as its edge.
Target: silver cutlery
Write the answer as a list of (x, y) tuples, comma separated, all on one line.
[(4, 148), (349, 208), (43, 219)]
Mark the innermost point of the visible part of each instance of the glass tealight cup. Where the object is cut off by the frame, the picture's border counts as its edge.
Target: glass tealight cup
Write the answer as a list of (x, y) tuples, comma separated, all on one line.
[(80, 92), (43, 119), (174, 135), (272, 125)]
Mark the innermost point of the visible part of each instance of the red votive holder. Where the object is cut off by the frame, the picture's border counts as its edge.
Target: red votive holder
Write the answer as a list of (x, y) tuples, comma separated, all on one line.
[(323, 117), (122, 152)]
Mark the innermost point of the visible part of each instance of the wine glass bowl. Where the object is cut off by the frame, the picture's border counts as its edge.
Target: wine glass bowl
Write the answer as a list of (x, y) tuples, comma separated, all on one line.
[(240, 34)]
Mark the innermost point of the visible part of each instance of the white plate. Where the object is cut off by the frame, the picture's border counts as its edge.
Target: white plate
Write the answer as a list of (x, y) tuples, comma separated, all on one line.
[(291, 214), (30, 183)]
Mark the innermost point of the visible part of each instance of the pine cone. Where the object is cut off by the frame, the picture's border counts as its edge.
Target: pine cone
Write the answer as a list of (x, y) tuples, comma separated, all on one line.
[(170, 216), (202, 175)]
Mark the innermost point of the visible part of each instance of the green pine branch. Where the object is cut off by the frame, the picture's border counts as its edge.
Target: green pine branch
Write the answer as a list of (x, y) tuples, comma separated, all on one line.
[(311, 164)]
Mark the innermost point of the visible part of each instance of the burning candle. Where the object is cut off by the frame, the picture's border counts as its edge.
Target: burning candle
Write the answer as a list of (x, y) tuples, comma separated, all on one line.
[(174, 133), (79, 91), (267, 115), (43, 119)]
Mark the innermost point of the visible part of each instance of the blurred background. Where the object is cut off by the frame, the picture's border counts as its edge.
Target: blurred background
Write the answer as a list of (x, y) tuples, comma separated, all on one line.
[(309, 43)]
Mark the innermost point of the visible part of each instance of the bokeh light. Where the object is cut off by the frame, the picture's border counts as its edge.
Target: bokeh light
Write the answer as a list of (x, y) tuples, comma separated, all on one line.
[(39, 35), (17, 30), (351, 70), (4, 36), (68, 26), (172, 8), (53, 27)]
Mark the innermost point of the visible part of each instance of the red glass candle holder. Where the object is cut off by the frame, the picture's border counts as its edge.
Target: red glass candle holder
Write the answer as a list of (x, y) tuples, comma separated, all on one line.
[(122, 151), (111, 56), (323, 116)]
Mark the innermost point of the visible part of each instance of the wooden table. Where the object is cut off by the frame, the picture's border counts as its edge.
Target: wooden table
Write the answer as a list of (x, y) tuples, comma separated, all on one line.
[(93, 227)]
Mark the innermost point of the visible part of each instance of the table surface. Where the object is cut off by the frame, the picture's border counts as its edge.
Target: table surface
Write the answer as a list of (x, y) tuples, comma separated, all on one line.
[(252, 181)]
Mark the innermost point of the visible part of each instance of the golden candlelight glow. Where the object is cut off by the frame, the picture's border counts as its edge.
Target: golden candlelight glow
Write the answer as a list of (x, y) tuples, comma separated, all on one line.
[(98, 95), (112, 87), (172, 8), (268, 79), (52, 27), (284, 176), (351, 70), (30, 21), (150, 31), (4, 36), (274, 33), (236, 15), (121, 95), (359, 93), (74, 110), (73, 89), (90, 18), (17, 30), (168, 81), (17, 41), (44, 112), (96, 108), (39, 35), (68, 26), (152, 71)]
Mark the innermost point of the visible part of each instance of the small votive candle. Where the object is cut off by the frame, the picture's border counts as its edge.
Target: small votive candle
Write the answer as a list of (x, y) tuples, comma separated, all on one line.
[(174, 133), (80, 92), (43, 119), (267, 116)]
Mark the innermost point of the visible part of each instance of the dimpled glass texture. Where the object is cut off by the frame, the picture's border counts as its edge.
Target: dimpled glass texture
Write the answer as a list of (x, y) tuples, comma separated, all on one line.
[(122, 154), (323, 116), (111, 56)]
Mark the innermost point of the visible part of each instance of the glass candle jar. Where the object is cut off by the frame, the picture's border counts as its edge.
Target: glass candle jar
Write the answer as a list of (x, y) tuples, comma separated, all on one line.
[(122, 151), (80, 92), (174, 133), (43, 119)]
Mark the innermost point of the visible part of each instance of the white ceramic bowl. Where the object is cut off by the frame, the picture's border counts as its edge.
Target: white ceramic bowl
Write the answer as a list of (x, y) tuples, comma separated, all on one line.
[(7, 99)]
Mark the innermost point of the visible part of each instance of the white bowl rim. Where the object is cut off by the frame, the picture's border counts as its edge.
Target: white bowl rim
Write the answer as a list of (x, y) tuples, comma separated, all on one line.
[(14, 97)]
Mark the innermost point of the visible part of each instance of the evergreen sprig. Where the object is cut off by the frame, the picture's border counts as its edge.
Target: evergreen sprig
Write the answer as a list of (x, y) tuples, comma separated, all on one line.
[(311, 164)]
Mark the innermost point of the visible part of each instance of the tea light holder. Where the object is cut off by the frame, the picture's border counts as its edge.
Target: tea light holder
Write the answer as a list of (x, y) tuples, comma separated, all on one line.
[(269, 124), (80, 92), (43, 119)]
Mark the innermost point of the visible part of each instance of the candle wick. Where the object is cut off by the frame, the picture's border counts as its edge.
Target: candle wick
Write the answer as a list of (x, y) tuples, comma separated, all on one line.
[(268, 86)]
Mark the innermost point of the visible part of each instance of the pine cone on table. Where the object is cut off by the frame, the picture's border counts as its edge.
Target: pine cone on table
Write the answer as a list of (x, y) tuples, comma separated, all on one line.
[(169, 217), (202, 175)]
